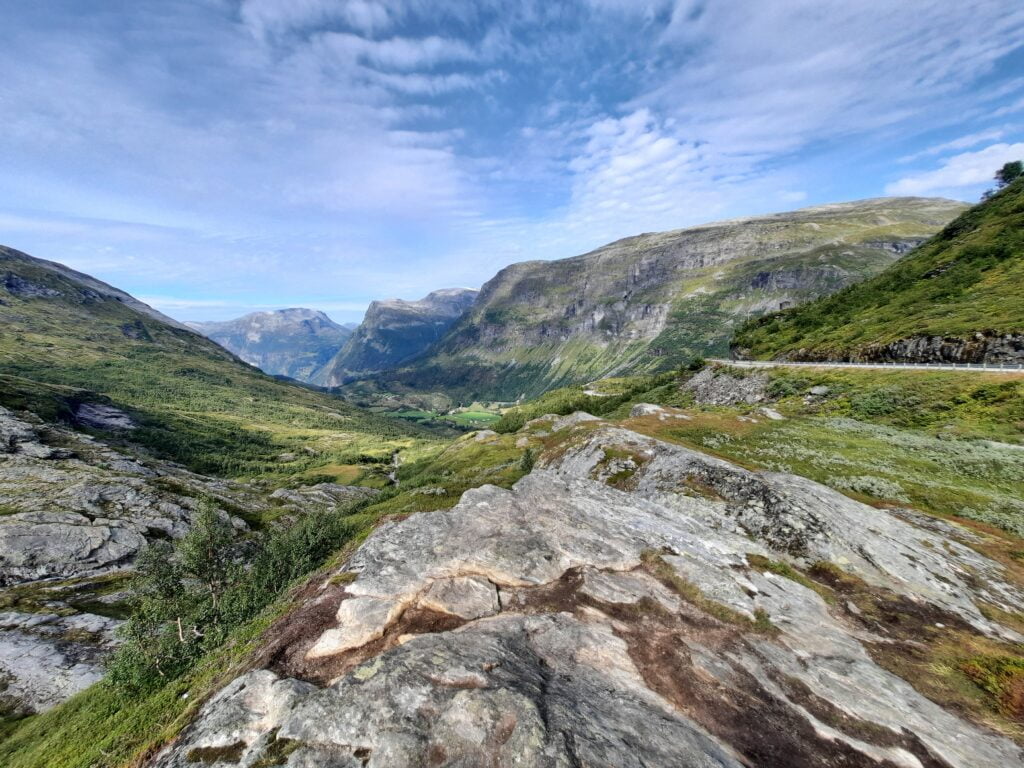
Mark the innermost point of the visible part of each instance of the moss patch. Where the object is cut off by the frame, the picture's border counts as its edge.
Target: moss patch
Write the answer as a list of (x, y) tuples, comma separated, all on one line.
[(232, 753)]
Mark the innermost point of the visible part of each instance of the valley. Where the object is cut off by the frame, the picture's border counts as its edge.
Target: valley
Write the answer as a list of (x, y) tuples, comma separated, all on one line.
[(214, 566), (578, 384)]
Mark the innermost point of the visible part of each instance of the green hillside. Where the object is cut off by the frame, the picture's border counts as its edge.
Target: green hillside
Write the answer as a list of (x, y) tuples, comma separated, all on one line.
[(651, 302), (968, 279), (68, 339)]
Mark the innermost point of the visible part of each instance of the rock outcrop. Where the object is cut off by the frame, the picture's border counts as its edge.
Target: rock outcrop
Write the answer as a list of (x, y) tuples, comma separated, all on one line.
[(70, 506), (46, 658), (714, 386), (981, 347), (596, 618)]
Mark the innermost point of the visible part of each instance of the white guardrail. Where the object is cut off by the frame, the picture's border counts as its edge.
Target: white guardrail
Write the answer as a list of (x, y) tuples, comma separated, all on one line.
[(985, 367)]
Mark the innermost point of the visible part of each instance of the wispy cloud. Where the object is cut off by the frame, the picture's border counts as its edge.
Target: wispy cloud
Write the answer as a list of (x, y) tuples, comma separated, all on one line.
[(338, 150), (963, 142), (968, 169)]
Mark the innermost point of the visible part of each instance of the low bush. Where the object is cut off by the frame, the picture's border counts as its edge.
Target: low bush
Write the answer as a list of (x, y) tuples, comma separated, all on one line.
[(191, 595)]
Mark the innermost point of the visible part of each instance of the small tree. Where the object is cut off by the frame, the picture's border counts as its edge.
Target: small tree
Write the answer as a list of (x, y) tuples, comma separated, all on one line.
[(207, 551), (527, 461), (1009, 173)]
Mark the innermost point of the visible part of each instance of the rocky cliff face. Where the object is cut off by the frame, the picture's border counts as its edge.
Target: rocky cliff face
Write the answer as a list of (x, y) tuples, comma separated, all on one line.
[(987, 347), (628, 603), (395, 331), (287, 342), (654, 300)]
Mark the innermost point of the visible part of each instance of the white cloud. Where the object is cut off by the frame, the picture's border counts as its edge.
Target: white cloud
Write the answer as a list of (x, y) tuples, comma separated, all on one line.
[(402, 52), (367, 147), (968, 169), (772, 77), (418, 84), (964, 142), (1009, 109), (271, 17)]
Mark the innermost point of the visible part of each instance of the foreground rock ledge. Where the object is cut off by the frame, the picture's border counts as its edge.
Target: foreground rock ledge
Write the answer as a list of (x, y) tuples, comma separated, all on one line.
[(570, 623)]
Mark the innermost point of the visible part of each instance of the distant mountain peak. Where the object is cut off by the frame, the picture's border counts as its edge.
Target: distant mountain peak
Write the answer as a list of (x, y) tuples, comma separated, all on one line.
[(395, 331), (294, 342)]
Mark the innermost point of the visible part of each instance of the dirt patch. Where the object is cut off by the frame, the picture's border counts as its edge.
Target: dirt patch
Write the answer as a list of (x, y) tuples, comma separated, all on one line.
[(288, 657), (765, 730), (938, 653)]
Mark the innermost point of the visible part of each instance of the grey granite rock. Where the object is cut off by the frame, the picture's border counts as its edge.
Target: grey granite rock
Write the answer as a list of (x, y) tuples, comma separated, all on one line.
[(547, 626), (46, 658), (106, 417), (84, 508)]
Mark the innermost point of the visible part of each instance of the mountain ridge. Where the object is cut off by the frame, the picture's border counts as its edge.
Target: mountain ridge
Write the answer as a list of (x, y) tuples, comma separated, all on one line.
[(955, 299), (394, 331), (295, 342), (651, 301)]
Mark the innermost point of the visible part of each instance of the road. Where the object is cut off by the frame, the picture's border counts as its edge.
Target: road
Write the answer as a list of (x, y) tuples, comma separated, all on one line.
[(973, 367)]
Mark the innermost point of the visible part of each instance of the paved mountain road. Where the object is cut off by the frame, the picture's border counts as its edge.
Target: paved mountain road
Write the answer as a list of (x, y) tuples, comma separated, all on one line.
[(1008, 368)]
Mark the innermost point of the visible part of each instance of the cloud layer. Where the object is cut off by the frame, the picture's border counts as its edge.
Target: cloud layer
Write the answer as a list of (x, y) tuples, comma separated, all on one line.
[(273, 152)]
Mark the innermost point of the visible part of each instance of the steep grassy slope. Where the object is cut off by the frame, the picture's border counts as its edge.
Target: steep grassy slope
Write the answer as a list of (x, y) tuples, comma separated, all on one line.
[(287, 342), (649, 302), (68, 339), (967, 280)]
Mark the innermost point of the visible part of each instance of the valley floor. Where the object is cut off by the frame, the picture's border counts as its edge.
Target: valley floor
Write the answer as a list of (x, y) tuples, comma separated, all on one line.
[(636, 574)]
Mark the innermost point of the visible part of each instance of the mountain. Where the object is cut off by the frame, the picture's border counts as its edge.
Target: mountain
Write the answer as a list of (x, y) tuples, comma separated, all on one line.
[(653, 301), (70, 340), (287, 342), (119, 429), (395, 331), (959, 298)]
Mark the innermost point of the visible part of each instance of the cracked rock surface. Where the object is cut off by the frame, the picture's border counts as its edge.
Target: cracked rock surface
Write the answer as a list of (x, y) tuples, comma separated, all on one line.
[(567, 622), (47, 658), (71, 506)]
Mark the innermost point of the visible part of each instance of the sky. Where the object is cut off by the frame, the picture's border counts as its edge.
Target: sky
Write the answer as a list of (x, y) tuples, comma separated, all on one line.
[(215, 157)]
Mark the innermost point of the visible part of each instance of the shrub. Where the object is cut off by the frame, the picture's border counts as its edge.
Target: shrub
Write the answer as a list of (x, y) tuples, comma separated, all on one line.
[(527, 461), (190, 596)]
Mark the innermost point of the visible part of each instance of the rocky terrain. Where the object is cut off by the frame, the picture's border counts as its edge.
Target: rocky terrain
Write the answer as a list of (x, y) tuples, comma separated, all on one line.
[(395, 331), (287, 342), (629, 602), (74, 513), (980, 347), (956, 299), (107, 411), (652, 301)]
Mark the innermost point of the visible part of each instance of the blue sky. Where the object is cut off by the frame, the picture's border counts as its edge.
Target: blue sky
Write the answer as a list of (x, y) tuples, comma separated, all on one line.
[(219, 156)]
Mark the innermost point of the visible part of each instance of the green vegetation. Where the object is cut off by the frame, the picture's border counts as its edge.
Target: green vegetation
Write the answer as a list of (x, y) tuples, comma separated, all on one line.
[(1009, 173), (138, 709), (194, 402), (966, 279), (571, 399), (1002, 678), (947, 443), (190, 597)]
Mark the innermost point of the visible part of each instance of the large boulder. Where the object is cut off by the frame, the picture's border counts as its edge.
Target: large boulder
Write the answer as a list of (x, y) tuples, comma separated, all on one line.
[(587, 619)]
